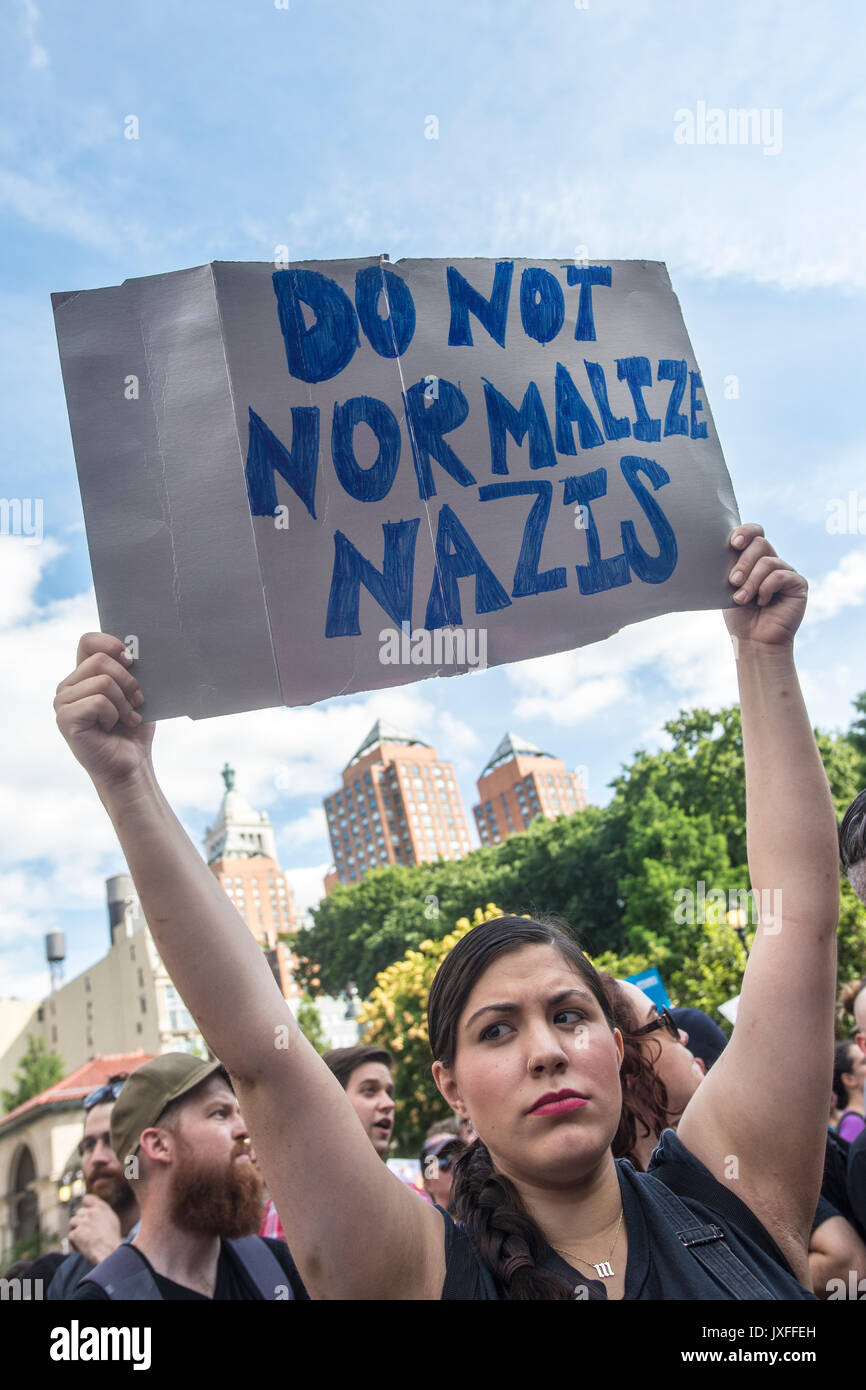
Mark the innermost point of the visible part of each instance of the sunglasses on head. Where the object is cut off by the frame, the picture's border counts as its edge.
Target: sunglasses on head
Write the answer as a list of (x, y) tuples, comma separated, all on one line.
[(664, 1020), (446, 1161), (108, 1092)]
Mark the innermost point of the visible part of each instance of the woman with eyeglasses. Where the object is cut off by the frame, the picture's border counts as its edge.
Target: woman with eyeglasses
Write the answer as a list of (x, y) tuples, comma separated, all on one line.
[(659, 1075), (524, 1041)]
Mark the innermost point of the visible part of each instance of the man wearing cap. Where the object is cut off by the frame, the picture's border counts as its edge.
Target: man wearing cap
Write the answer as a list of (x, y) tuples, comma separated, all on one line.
[(178, 1133), (109, 1212)]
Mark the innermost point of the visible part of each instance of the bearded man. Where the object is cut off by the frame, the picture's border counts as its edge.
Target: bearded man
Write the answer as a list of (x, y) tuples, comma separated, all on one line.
[(178, 1133), (109, 1212)]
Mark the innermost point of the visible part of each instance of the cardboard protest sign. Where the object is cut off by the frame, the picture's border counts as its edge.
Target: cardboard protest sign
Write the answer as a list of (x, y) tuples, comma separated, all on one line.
[(339, 476)]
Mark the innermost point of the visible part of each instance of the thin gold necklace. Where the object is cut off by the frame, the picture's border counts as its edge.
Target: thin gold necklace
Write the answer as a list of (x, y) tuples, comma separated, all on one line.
[(603, 1269)]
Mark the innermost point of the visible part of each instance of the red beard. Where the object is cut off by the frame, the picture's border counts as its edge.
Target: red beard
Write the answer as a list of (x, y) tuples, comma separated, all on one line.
[(225, 1201)]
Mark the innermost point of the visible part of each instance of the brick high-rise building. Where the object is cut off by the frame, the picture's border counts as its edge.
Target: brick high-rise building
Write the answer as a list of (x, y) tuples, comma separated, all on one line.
[(241, 852), (519, 784), (398, 805)]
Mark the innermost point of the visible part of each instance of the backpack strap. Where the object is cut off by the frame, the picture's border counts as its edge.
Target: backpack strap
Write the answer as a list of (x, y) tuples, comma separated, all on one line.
[(684, 1181), (261, 1266), (124, 1274), (708, 1245)]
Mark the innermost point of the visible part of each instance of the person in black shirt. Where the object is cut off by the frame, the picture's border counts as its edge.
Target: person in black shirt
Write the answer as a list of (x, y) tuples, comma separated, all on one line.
[(232, 1279), (524, 1041)]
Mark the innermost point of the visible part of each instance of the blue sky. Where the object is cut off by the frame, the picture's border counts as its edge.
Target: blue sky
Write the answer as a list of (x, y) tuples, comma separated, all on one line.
[(305, 127)]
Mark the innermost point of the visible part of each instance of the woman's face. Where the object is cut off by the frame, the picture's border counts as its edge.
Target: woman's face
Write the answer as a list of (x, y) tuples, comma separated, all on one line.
[(531, 1029), (679, 1069)]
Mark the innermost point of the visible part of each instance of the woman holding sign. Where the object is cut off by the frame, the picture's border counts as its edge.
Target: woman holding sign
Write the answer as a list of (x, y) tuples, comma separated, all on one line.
[(524, 1042)]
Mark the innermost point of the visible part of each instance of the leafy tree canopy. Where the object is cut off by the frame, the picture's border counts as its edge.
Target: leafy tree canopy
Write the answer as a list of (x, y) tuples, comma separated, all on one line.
[(616, 874)]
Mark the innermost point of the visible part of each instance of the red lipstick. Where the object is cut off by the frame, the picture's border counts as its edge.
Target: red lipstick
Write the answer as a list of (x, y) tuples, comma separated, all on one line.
[(557, 1103)]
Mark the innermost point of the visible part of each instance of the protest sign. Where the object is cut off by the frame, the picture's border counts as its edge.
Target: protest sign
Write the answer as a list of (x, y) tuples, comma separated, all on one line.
[(653, 986), (730, 1009), (339, 476)]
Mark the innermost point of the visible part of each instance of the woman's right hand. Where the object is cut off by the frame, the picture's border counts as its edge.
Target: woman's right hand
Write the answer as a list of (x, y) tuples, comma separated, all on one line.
[(97, 715)]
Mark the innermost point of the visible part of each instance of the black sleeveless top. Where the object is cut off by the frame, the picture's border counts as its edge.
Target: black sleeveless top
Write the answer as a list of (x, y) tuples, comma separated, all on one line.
[(659, 1266)]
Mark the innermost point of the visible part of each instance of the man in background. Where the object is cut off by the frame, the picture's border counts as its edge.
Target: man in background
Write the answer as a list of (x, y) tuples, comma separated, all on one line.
[(109, 1211)]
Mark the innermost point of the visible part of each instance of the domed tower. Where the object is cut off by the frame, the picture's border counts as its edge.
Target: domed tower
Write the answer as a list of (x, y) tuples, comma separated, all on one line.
[(241, 852)]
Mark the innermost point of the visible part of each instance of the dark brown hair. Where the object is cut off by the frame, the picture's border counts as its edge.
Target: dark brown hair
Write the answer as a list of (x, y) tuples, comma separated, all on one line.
[(852, 832), (344, 1060), (644, 1094), (506, 1237), (842, 1053)]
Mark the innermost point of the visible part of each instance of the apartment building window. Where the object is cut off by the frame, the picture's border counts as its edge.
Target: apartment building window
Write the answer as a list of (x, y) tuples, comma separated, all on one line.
[(143, 1002), (179, 1018)]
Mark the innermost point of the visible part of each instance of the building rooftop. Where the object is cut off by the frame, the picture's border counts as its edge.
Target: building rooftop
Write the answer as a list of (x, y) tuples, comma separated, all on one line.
[(81, 1082), (512, 746), (383, 732)]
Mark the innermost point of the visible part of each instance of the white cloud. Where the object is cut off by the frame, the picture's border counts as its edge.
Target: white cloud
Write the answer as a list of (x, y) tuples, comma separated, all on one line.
[(278, 753), (690, 653), (305, 830), (821, 491), (457, 736), (53, 203), (583, 701), (843, 587), (22, 564), (37, 57), (49, 809), (308, 886)]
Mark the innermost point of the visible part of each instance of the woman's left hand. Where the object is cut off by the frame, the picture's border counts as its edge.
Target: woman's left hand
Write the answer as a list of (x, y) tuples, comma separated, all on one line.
[(770, 597)]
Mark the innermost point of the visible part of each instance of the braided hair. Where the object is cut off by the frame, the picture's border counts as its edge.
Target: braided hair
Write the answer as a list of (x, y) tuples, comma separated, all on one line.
[(508, 1240)]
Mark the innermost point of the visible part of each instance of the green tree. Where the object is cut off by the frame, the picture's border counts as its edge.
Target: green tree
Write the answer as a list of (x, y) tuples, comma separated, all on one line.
[(37, 1070), (851, 938), (616, 873), (569, 867), (856, 736), (310, 1024)]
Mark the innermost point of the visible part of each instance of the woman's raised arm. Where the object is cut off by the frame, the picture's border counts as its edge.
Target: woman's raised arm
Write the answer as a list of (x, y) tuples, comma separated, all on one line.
[(760, 1117), (354, 1229)]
